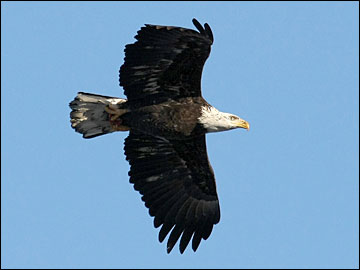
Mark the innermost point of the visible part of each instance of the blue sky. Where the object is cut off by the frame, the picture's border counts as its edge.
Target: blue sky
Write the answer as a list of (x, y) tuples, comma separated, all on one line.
[(288, 188)]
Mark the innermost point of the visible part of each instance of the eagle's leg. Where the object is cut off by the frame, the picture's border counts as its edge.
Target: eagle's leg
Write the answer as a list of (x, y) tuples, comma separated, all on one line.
[(114, 117)]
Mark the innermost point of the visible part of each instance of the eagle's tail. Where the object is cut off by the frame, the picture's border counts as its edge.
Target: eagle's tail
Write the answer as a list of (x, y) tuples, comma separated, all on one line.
[(94, 115)]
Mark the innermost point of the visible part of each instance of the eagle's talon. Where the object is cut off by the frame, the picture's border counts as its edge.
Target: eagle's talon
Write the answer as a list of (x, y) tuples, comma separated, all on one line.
[(114, 112), (114, 117)]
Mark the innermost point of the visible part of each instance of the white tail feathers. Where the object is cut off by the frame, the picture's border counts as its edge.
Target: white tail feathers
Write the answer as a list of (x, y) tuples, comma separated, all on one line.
[(88, 115)]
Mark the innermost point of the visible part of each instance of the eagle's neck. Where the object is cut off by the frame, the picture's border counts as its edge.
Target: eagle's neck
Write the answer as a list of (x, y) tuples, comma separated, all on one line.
[(213, 120)]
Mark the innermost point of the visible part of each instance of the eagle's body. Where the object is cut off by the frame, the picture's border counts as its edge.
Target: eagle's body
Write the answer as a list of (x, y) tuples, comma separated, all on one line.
[(167, 119), (173, 118)]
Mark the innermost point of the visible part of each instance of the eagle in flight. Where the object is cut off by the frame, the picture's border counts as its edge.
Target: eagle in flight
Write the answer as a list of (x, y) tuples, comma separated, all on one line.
[(167, 119)]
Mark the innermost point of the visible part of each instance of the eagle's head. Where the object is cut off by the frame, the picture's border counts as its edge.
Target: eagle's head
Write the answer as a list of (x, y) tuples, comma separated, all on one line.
[(213, 120)]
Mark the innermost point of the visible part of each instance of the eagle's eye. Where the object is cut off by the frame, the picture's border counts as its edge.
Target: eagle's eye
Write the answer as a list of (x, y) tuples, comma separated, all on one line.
[(233, 118)]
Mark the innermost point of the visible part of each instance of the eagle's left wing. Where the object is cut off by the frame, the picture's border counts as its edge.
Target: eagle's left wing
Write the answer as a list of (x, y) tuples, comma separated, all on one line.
[(177, 184)]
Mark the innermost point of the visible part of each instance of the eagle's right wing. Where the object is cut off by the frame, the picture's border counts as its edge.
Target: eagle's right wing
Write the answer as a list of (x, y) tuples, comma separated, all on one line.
[(177, 184), (165, 63)]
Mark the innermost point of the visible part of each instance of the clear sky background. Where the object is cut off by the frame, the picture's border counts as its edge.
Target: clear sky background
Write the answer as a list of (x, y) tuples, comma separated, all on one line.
[(288, 188)]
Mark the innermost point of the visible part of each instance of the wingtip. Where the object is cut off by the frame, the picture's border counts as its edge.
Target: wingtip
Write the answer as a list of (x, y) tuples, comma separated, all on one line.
[(169, 248), (198, 26), (206, 30)]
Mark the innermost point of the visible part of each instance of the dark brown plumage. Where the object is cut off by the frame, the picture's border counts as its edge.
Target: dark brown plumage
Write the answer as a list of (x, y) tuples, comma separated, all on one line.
[(164, 66), (177, 187), (165, 63), (167, 118)]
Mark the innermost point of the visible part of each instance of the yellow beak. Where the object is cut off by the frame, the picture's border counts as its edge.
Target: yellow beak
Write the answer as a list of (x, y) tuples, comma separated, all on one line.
[(243, 124)]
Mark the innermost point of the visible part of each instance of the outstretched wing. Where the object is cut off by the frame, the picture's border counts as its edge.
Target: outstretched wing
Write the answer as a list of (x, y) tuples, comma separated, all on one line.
[(177, 184), (165, 63)]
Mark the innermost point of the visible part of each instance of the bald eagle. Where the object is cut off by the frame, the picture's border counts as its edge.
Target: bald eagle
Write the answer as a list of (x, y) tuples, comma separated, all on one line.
[(167, 119)]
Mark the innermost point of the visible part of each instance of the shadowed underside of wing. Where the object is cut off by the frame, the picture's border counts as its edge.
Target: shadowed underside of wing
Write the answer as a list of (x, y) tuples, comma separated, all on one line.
[(177, 184), (165, 63)]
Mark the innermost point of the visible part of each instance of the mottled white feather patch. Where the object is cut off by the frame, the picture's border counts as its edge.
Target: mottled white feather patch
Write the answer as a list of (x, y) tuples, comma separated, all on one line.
[(153, 178), (88, 115)]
